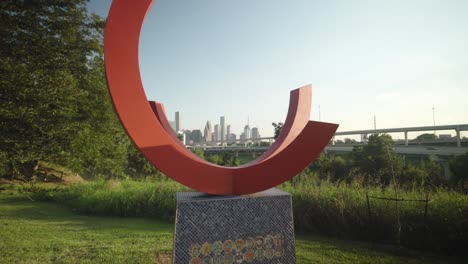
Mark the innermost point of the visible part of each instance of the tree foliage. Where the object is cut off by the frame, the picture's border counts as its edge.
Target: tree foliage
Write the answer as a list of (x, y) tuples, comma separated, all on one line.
[(54, 104), (277, 129), (199, 152), (377, 164), (426, 137), (377, 158)]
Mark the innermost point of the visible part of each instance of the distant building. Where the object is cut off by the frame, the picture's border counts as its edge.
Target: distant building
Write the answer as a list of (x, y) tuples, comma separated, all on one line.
[(197, 136), (255, 134), (231, 137), (188, 136), (207, 132), (247, 132), (222, 134), (173, 125), (216, 133), (242, 137), (178, 121), (228, 132)]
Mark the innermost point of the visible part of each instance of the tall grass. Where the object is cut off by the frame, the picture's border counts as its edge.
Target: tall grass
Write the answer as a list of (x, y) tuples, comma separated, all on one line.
[(342, 210), (147, 198), (338, 210)]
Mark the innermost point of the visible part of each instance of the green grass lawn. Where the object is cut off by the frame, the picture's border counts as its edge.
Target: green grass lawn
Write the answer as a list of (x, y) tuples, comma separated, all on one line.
[(40, 232)]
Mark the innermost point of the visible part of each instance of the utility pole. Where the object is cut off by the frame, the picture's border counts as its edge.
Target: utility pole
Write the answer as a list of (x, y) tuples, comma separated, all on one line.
[(433, 118), (375, 122)]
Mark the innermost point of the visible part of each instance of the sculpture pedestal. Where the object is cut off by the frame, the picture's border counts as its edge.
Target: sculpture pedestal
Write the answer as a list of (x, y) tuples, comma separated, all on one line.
[(256, 228)]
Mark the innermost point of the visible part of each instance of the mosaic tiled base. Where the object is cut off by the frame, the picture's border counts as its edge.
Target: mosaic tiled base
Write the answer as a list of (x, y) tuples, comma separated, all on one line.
[(255, 228)]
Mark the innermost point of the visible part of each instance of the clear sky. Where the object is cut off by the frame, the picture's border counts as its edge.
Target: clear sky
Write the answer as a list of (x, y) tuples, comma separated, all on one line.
[(240, 58)]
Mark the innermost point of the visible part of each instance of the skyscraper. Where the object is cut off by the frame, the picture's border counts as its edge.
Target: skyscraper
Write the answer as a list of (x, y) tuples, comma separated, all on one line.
[(207, 132), (178, 124), (255, 134), (247, 132), (228, 133), (196, 136), (223, 129), (216, 133)]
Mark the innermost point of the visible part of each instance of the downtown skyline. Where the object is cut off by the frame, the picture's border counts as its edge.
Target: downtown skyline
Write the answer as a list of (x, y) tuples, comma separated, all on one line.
[(393, 60), (219, 132)]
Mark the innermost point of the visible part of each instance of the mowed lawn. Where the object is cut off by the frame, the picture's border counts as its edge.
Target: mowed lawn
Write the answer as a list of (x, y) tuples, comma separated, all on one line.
[(39, 232)]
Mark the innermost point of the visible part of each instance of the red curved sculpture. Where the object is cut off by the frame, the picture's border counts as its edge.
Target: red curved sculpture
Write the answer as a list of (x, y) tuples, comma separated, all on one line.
[(299, 143)]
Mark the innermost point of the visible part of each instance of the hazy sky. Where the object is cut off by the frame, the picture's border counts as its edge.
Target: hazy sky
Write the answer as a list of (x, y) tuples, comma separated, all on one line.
[(392, 59)]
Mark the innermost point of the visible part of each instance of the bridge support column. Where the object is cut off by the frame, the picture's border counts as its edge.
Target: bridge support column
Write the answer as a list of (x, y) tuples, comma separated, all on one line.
[(333, 140), (363, 138), (406, 138), (458, 138)]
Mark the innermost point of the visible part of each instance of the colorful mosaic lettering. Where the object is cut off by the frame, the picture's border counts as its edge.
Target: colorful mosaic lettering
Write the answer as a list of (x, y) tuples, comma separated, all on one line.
[(206, 249), (194, 250), (249, 243), (196, 260), (228, 258), (218, 247), (218, 259), (228, 246), (238, 251), (240, 243)]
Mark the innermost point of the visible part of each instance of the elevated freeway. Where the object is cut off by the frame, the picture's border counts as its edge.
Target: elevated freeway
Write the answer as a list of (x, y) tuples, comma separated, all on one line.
[(458, 128), (405, 150)]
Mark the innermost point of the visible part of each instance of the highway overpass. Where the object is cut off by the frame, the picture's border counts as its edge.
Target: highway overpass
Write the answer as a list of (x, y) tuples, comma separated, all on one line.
[(404, 150)]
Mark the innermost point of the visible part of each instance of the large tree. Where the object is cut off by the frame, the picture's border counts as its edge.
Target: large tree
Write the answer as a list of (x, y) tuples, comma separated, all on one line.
[(378, 159), (54, 103)]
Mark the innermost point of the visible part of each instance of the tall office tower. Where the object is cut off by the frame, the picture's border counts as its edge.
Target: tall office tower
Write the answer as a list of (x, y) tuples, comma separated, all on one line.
[(228, 132), (197, 136), (207, 132), (223, 129), (216, 132), (255, 134), (247, 132), (178, 125)]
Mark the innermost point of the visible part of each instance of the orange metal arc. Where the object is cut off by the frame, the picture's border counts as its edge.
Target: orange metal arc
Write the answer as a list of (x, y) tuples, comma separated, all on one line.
[(299, 143)]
